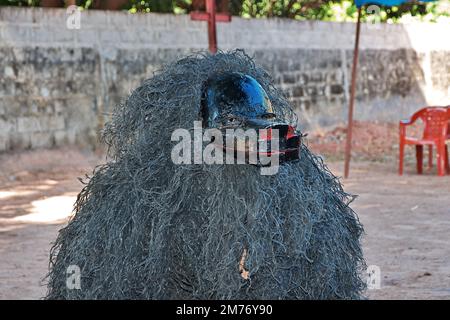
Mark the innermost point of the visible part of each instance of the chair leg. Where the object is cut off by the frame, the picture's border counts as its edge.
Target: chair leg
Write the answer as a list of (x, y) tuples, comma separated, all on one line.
[(430, 156), (441, 159), (419, 158), (447, 164), (400, 158)]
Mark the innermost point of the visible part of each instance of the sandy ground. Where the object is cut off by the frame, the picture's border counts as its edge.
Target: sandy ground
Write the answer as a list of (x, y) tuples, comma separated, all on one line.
[(407, 222)]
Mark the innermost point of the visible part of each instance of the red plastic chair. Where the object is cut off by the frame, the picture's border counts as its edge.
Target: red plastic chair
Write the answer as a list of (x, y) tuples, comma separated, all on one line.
[(435, 133)]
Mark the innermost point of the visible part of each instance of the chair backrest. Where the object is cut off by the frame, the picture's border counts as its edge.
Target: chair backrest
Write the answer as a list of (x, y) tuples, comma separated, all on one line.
[(448, 117), (435, 120)]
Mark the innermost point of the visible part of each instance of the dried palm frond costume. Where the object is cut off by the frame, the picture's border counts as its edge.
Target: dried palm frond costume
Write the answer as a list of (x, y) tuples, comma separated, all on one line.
[(145, 228)]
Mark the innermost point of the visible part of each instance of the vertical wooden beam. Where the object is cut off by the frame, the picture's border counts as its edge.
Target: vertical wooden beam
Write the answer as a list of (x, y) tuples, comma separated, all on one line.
[(211, 17), (348, 146), (212, 34)]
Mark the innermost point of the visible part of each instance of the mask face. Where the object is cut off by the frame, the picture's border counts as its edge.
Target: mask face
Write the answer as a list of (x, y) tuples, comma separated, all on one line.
[(237, 101)]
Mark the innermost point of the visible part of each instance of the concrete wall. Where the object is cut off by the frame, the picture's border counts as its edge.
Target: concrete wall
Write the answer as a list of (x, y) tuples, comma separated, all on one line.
[(58, 85)]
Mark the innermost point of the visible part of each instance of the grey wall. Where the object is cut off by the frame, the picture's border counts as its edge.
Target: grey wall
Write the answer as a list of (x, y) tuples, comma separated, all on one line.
[(58, 85)]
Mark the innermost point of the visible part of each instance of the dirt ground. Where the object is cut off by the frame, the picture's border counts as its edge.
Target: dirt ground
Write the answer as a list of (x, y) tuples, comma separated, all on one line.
[(407, 221), (372, 141)]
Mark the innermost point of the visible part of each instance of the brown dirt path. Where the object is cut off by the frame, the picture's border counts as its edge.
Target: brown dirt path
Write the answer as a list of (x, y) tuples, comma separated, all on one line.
[(407, 222)]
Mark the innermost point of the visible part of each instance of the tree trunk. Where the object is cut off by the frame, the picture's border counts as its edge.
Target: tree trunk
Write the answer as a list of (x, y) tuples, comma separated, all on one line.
[(52, 3), (109, 5)]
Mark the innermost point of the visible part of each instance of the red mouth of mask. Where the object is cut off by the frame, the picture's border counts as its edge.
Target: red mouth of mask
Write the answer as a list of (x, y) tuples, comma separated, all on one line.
[(277, 140)]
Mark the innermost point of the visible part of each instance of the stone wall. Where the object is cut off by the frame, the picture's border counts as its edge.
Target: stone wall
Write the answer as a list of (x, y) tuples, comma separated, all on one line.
[(58, 85)]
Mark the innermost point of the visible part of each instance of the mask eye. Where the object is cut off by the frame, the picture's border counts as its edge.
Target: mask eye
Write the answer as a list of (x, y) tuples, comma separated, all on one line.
[(231, 120), (268, 115)]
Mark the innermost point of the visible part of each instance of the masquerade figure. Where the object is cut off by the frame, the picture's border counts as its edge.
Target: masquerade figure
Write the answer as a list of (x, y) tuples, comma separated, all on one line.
[(147, 228)]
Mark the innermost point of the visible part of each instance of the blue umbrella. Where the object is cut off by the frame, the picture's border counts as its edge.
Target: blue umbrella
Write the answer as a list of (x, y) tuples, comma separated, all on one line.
[(359, 4)]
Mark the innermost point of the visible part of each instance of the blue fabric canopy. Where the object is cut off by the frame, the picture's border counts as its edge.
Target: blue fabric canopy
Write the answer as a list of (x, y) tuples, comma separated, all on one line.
[(360, 3)]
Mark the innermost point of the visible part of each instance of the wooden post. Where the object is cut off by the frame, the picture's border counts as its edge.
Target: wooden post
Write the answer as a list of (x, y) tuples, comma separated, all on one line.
[(212, 34), (211, 17), (348, 146)]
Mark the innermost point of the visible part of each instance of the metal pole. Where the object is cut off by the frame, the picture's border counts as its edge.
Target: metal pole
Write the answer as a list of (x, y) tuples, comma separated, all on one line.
[(212, 35), (348, 146)]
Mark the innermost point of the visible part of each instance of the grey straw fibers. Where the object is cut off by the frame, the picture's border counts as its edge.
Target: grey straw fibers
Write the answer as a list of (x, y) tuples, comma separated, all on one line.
[(145, 228)]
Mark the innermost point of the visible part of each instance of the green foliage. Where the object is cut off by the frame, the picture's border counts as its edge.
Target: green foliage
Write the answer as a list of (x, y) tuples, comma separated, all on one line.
[(24, 3), (159, 6), (326, 10), (340, 10)]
